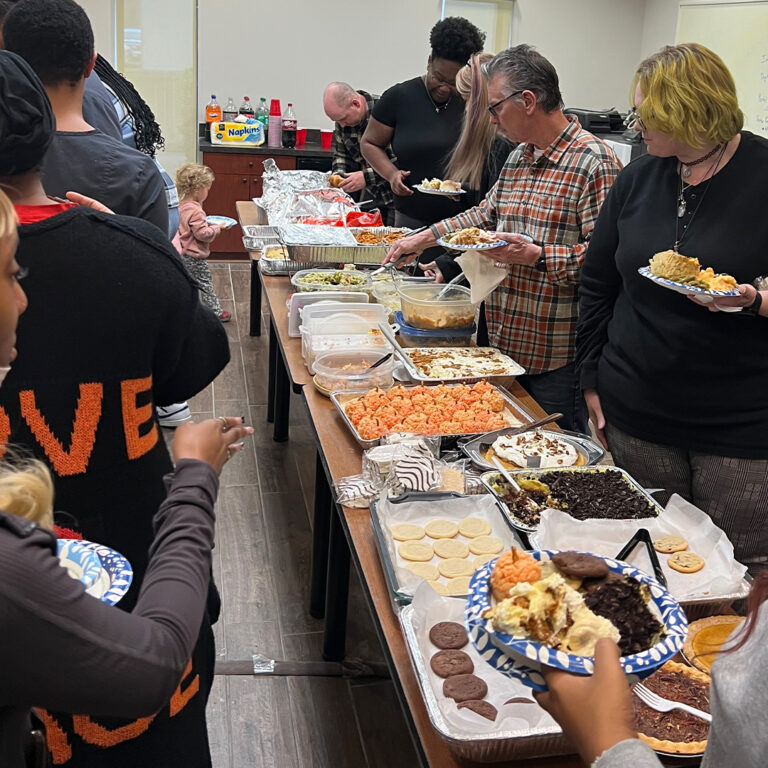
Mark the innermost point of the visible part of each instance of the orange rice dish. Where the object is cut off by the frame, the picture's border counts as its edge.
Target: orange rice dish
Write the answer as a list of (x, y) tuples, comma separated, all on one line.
[(439, 410)]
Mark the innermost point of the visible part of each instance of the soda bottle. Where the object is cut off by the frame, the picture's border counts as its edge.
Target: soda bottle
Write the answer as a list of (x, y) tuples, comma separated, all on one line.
[(230, 111), (262, 115), (289, 127), (246, 108), (213, 111), (275, 124)]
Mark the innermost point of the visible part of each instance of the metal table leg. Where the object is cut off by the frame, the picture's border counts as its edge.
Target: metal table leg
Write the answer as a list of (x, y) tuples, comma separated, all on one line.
[(255, 313), (282, 398), (274, 352), (321, 528), (337, 593)]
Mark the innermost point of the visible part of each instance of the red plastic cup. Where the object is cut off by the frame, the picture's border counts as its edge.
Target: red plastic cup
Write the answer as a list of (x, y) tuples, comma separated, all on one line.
[(301, 137), (326, 138)]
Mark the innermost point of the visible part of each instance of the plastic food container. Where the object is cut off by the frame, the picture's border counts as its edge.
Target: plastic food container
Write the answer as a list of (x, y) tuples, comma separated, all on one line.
[(338, 280), (385, 293), (317, 346), (422, 310), (447, 337), (350, 369)]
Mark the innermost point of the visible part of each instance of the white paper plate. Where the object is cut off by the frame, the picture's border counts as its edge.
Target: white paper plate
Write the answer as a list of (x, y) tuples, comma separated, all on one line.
[(440, 192), (230, 222), (705, 297), (479, 247)]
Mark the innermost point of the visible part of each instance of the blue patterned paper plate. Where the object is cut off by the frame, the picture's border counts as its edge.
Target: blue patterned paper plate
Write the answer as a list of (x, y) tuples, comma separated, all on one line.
[(480, 247), (115, 577), (687, 290), (440, 192), (229, 221), (523, 659), (80, 561)]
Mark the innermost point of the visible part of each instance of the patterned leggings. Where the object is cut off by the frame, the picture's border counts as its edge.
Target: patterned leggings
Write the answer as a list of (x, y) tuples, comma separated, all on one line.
[(201, 273), (733, 492)]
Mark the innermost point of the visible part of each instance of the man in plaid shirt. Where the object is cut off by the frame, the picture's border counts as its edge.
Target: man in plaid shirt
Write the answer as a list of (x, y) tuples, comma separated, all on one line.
[(544, 207), (350, 110)]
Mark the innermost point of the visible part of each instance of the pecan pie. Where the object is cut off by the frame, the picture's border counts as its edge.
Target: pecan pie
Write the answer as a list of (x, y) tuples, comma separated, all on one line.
[(675, 732)]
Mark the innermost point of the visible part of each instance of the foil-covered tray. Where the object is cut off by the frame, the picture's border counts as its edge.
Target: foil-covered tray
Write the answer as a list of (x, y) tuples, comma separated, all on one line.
[(487, 479), (522, 729), (340, 399), (418, 507), (589, 451)]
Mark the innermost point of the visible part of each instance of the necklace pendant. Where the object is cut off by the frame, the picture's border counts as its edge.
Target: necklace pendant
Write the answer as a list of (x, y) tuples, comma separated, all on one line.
[(681, 208), (685, 172)]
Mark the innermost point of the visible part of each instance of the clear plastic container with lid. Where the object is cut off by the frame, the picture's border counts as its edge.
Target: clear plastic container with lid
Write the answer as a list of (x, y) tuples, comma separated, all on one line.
[(435, 337), (422, 309), (351, 369)]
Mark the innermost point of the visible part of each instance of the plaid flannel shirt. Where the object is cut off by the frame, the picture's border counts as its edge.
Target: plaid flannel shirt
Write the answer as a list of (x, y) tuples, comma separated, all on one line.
[(348, 158), (555, 200)]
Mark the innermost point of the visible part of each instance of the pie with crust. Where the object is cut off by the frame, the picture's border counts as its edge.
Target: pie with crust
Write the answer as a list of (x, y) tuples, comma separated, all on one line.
[(706, 637), (675, 732)]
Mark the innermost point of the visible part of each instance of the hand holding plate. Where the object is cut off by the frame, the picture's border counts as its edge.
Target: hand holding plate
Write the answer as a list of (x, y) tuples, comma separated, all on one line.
[(519, 249), (746, 297)]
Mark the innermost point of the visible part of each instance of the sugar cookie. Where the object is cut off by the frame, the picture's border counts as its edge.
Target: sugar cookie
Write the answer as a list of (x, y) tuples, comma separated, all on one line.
[(455, 566), (481, 560), (485, 545), (406, 531), (686, 562), (450, 548), (439, 587), (441, 529), (458, 585), (415, 550), (669, 544), (474, 526), (425, 570)]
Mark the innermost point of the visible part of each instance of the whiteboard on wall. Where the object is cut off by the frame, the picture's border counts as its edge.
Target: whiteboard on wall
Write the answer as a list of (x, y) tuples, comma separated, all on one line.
[(738, 33)]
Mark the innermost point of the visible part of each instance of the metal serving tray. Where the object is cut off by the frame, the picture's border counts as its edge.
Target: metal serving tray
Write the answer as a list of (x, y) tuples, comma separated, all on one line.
[(589, 450), (487, 477), (347, 254), (340, 399), (404, 355), (383, 539), (499, 745)]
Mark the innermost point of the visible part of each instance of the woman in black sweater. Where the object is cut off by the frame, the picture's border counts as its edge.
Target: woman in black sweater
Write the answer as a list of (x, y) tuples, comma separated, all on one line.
[(61, 648), (679, 394)]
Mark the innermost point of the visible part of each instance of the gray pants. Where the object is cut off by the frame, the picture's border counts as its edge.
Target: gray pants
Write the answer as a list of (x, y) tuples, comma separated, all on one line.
[(201, 274), (733, 492)]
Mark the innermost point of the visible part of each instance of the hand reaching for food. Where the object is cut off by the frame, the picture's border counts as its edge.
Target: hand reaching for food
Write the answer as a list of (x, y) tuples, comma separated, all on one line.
[(397, 182), (353, 182)]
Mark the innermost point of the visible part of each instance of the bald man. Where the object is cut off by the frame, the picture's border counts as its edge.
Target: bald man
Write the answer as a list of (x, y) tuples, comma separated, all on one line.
[(350, 110)]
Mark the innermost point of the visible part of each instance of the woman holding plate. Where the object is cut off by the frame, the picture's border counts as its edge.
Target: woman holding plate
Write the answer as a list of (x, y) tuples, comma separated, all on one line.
[(61, 648), (677, 390)]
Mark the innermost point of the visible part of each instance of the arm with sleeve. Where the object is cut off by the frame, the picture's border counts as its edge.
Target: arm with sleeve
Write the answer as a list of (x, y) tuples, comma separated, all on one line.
[(152, 203), (201, 230)]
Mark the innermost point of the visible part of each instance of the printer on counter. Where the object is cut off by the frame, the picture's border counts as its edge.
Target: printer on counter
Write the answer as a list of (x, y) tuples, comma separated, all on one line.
[(610, 126)]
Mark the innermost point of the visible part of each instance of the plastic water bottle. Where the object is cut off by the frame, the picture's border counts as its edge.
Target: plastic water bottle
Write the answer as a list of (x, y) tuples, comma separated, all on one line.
[(230, 111), (275, 124), (246, 108), (213, 111), (262, 115), (289, 127)]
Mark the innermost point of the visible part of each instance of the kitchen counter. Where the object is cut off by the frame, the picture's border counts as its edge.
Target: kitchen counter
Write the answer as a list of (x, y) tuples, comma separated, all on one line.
[(308, 150)]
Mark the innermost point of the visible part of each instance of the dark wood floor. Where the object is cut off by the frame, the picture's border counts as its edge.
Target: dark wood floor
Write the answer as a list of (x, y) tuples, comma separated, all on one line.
[(261, 566)]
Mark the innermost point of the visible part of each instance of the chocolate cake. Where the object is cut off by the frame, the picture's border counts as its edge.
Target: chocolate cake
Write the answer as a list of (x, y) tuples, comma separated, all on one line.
[(623, 604)]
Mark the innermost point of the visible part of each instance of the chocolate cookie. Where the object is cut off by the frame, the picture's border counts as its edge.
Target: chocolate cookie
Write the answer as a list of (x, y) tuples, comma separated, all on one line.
[(483, 708), (464, 687), (448, 634), (580, 565), (451, 662)]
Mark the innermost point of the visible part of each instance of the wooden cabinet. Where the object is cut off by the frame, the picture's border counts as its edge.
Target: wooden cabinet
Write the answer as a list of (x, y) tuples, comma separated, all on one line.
[(238, 177)]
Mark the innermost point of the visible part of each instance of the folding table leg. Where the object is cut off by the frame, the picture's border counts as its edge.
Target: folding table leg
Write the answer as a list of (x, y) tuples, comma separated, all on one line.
[(255, 312), (337, 593), (274, 352), (321, 528), (282, 398)]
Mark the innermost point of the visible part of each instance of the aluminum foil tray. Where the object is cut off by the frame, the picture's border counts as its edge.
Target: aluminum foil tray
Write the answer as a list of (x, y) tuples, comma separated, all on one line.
[(515, 369), (340, 399), (498, 745)]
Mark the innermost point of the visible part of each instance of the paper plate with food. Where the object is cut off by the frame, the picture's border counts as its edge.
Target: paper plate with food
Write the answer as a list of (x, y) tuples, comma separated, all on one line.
[(470, 239), (685, 275), (549, 608), (225, 221), (439, 187)]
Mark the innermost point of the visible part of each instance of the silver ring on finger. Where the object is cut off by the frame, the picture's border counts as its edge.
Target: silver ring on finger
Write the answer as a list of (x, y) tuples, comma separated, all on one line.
[(224, 423)]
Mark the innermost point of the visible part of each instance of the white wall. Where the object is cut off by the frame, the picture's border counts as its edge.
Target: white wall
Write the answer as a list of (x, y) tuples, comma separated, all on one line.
[(101, 15), (659, 25)]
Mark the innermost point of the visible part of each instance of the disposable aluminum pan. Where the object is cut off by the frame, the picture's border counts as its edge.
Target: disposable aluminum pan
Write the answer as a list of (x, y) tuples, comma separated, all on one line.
[(590, 451), (543, 741), (340, 399), (514, 368)]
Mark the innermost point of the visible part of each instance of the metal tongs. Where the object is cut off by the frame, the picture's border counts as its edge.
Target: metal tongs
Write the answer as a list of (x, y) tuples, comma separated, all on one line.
[(642, 536), (402, 259)]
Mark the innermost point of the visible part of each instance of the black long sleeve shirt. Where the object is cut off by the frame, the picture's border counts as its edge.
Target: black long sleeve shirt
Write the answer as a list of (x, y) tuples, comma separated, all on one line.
[(666, 369)]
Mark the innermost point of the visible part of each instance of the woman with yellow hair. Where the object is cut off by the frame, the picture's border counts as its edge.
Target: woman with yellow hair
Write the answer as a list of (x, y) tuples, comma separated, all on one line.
[(61, 648), (677, 393)]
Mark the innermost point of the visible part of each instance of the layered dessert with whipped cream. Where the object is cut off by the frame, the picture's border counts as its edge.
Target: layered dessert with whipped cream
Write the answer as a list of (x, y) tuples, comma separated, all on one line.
[(554, 451)]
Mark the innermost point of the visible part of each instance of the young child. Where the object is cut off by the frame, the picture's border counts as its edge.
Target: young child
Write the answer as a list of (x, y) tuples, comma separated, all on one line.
[(194, 237)]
